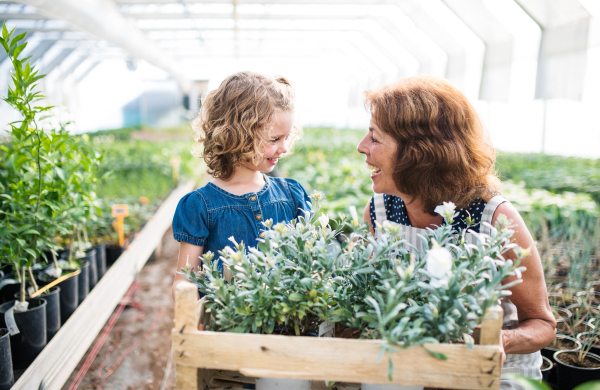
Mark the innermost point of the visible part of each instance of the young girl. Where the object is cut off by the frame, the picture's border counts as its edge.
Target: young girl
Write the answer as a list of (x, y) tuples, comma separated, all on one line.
[(246, 125)]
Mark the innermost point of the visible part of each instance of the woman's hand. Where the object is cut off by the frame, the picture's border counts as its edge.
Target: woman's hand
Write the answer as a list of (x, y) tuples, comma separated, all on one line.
[(537, 325), (188, 254), (502, 346)]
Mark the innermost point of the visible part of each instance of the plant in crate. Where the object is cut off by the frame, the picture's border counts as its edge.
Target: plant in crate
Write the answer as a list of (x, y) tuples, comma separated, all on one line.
[(437, 293), (287, 287)]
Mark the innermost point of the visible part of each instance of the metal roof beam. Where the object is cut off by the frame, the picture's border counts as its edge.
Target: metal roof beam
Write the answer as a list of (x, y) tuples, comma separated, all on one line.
[(46, 69), (495, 78), (562, 58), (102, 19)]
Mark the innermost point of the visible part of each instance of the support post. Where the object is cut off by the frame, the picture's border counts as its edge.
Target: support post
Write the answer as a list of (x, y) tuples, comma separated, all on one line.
[(187, 318)]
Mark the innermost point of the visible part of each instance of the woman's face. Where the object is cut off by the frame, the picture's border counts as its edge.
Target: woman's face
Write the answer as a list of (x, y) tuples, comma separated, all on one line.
[(380, 150)]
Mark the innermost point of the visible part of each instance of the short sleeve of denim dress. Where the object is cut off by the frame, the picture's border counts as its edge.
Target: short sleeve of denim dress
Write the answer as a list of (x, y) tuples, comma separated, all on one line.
[(209, 216)]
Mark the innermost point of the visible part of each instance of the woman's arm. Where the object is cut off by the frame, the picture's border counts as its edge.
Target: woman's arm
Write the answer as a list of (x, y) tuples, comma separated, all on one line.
[(367, 217), (188, 253), (537, 325)]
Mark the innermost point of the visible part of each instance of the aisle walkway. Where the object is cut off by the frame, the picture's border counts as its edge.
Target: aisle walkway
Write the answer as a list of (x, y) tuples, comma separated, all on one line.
[(136, 353)]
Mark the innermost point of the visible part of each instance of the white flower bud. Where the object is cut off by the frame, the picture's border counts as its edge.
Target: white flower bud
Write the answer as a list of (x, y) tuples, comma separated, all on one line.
[(324, 220), (439, 266), (353, 213), (446, 210)]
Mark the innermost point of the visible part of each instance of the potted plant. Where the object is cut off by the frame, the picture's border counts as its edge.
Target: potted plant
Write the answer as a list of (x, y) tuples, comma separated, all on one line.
[(26, 211), (577, 367)]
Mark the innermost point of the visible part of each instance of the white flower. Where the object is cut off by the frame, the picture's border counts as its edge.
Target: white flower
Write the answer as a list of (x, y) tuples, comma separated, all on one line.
[(446, 210), (324, 220), (353, 213), (233, 240), (439, 266)]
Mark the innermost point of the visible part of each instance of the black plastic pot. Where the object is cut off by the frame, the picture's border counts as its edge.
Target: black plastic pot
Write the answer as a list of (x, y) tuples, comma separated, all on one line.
[(26, 345), (90, 256), (69, 293), (52, 298), (570, 376), (6, 370), (112, 254), (549, 352), (546, 371), (84, 282), (10, 286), (101, 260)]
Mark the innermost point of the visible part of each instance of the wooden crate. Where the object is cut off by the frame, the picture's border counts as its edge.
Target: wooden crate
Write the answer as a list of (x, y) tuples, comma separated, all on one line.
[(198, 354)]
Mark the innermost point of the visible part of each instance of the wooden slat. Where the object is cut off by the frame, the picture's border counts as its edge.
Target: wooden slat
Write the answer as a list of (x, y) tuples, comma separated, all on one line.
[(187, 310), (340, 360), (54, 364), (491, 326)]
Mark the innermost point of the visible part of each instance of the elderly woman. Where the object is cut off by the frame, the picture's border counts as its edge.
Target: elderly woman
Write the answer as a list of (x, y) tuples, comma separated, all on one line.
[(426, 145)]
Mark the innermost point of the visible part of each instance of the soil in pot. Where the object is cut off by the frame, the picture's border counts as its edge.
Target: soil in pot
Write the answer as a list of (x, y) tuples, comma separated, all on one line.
[(561, 314), (112, 254), (279, 383), (52, 298), (572, 372), (6, 368), (561, 343), (69, 293), (26, 345), (547, 366), (100, 260), (563, 327)]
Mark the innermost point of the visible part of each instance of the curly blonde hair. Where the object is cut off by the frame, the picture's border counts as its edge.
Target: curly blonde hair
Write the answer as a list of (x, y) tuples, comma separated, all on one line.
[(235, 120)]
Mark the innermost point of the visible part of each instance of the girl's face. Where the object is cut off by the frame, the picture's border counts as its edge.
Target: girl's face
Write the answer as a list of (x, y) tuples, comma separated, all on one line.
[(278, 141), (380, 150)]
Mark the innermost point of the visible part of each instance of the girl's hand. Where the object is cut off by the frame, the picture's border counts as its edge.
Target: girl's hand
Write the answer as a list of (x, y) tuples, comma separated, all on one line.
[(188, 254)]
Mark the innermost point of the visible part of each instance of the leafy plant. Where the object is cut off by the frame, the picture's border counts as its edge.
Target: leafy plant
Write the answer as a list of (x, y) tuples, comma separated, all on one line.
[(28, 203), (301, 276)]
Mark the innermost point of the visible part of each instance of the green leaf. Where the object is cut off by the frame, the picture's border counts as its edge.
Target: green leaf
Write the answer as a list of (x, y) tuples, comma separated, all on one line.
[(390, 368), (61, 174), (19, 49), (592, 385), (4, 31), (16, 39), (437, 355)]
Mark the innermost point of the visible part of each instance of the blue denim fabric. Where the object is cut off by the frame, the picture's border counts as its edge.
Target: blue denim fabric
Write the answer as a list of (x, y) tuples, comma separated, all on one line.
[(210, 215)]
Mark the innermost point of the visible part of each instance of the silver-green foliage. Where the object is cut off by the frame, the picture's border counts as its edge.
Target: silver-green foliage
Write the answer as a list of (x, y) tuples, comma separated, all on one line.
[(300, 276)]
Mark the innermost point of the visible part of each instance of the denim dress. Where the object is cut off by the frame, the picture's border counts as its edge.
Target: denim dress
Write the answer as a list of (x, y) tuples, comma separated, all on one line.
[(208, 216)]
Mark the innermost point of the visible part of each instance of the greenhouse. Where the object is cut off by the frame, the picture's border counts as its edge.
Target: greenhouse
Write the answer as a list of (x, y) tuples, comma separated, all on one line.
[(299, 194)]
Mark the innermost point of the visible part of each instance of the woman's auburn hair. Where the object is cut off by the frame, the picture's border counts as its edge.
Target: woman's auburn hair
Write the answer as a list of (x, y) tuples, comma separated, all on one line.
[(443, 153), (234, 121)]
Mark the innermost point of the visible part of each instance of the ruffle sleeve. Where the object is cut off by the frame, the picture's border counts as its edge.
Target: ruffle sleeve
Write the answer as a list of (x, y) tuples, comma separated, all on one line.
[(190, 223)]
